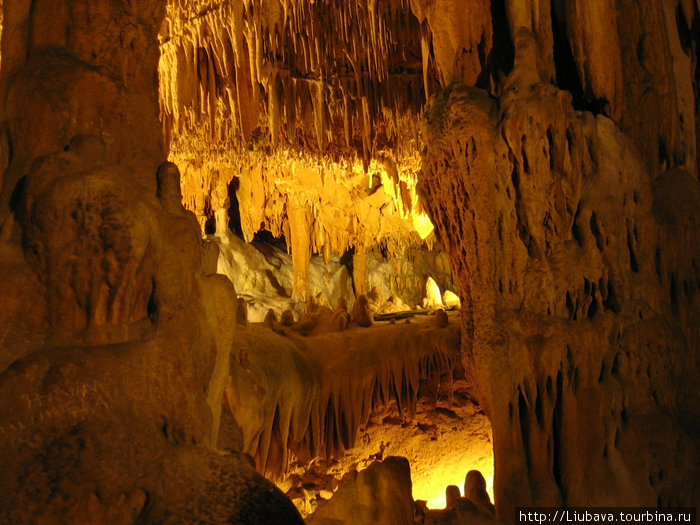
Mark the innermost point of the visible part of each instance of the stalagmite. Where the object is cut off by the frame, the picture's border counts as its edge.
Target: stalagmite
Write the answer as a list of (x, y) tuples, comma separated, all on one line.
[(433, 297), (475, 491), (449, 298), (242, 313), (361, 314), (270, 316), (379, 494), (287, 318), (441, 320), (452, 495)]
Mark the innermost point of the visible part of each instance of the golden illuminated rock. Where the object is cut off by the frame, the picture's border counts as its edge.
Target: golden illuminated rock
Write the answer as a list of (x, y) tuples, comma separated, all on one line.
[(308, 396), (449, 298), (433, 297)]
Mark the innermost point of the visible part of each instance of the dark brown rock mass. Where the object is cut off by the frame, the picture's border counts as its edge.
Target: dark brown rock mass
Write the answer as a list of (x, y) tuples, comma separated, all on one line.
[(112, 387)]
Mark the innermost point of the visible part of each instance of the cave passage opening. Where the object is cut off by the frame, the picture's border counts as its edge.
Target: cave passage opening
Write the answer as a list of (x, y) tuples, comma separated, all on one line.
[(304, 173), (443, 441)]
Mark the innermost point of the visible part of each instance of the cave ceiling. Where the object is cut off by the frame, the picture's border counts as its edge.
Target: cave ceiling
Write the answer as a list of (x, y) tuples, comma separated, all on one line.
[(334, 78), (310, 106)]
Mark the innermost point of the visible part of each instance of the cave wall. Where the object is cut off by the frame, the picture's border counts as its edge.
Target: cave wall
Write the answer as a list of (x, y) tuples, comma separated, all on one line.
[(116, 328), (104, 78), (338, 84), (571, 220)]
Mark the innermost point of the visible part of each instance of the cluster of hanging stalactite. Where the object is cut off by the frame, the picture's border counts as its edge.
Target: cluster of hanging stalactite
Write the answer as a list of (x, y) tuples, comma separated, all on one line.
[(312, 399), (326, 76)]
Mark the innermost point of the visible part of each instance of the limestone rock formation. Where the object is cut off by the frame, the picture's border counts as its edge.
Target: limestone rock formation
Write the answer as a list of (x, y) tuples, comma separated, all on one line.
[(441, 320), (378, 494), (287, 318), (110, 412), (474, 508), (452, 495), (577, 321), (263, 275), (325, 151), (308, 396), (361, 314), (446, 437), (475, 491)]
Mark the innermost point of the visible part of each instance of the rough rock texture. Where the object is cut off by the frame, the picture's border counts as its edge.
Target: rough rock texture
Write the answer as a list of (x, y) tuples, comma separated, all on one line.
[(311, 74), (104, 78), (378, 494), (319, 206), (112, 381), (287, 116), (273, 97), (475, 491), (405, 276), (581, 333), (447, 437), (264, 276), (309, 395), (474, 507)]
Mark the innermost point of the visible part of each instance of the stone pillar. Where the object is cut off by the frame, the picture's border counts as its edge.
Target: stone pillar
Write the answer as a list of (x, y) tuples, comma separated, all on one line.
[(94, 61), (553, 349), (359, 270), (300, 231)]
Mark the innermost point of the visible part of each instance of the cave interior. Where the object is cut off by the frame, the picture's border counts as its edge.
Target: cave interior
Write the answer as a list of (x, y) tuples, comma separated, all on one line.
[(347, 261)]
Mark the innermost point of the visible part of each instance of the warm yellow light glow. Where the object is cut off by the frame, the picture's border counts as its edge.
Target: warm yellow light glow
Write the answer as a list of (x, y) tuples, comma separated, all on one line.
[(441, 447), (430, 484), (446, 460), (423, 225), (433, 296), (451, 299)]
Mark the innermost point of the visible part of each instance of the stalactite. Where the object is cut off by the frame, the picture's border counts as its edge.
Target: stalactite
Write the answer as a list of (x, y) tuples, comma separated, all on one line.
[(300, 233), (248, 45), (310, 397), (344, 212)]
